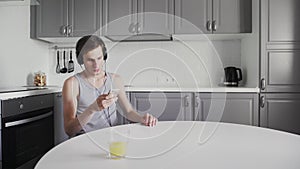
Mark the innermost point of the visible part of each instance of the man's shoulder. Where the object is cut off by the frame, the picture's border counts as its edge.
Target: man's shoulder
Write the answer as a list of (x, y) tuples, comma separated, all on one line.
[(71, 79), (114, 75)]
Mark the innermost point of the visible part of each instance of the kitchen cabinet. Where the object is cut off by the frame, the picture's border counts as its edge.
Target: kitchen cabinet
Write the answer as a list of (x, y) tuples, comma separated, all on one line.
[(131, 17), (240, 108), (280, 70), (280, 111), (280, 46), (213, 16), (67, 18), (59, 131), (120, 114), (280, 21), (164, 105)]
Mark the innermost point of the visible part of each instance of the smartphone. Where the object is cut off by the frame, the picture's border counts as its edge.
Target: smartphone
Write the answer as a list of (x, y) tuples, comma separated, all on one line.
[(115, 92)]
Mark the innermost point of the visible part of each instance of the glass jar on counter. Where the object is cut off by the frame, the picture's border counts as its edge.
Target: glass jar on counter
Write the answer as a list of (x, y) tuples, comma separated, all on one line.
[(40, 79)]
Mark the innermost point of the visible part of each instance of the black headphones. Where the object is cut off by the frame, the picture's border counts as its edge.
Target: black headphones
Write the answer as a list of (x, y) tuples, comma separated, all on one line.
[(80, 44)]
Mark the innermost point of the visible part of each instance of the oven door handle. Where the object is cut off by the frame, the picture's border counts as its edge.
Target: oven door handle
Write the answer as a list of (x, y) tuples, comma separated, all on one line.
[(24, 121)]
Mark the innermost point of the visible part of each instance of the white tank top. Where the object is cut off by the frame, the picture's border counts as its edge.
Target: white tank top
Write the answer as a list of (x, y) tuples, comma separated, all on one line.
[(87, 95)]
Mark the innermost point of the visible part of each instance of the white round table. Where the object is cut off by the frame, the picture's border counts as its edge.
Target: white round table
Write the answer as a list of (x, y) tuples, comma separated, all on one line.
[(181, 145)]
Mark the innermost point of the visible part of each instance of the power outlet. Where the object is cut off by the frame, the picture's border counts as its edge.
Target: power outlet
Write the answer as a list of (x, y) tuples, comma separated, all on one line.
[(163, 79)]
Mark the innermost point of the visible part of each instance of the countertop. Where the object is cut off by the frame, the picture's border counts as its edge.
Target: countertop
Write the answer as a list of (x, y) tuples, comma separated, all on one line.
[(194, 89), (56, 89), (46, 90)]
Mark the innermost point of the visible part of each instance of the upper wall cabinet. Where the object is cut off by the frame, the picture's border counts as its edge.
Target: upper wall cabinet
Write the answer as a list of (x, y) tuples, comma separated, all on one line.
[(213, 16), (64, 18), (131, 17), (280, 21)]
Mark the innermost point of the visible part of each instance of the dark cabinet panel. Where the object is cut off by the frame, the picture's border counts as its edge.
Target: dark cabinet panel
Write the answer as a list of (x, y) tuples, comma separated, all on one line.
[(119, 17), (66, 18), (280, 70), (51, 18), (192, 16), (164, 106), (280, 46), (132, 17), (228, 107), (232, 16), (213, 16), (281, 20), (281, 112), (59, 130), (84, 17), (156, 16)]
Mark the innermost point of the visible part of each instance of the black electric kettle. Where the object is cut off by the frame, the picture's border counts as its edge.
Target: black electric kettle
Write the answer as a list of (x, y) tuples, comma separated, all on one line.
[(232, 76)]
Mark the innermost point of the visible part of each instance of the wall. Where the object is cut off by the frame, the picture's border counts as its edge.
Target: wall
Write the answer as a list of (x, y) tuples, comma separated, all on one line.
[(250, 50), (20, 56), (177, 63)]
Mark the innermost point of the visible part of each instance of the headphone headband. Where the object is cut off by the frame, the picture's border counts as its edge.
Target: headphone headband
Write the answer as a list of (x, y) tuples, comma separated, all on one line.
[(88, 43)]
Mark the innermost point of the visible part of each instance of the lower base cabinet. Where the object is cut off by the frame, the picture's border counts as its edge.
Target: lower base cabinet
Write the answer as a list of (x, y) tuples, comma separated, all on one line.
[(280, 112), (59, 131), (240, 108), (166, 106)]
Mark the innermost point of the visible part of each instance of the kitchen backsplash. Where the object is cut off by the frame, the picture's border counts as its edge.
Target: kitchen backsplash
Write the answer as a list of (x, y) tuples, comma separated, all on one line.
[(176, 63)]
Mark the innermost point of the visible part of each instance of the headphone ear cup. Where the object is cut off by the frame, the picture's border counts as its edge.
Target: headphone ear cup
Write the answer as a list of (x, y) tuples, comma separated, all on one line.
[(104, 53), (79, 58)]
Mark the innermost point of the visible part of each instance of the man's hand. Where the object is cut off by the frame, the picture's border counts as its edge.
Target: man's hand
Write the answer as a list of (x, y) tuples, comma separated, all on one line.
[(149, 120), (105, 100)]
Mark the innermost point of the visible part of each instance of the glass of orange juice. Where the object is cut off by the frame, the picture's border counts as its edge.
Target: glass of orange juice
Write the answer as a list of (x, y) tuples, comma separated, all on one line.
[(118, 142)]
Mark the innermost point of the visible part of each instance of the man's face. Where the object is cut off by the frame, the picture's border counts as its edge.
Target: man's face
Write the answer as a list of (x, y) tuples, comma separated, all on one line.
[(93, 61)]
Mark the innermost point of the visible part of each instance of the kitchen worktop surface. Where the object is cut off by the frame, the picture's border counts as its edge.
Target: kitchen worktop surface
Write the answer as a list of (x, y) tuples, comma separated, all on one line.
[(194, 89), (56, 89), (32, 92)]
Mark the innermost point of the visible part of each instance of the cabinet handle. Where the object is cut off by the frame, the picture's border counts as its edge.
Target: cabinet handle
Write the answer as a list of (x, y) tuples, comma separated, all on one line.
[(214, 25), (63, 30), (132, 28), (138, 28), (263, 84), (208, 25), (69, 27), (262, 101), (186, 101), (196, 101)]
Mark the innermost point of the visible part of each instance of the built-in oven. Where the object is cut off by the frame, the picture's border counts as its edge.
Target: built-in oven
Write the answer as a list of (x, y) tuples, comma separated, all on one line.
[(27, 130)]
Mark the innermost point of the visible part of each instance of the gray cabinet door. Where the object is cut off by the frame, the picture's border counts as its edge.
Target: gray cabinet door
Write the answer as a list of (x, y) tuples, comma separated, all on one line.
[(61, 18), (232, 16), (59, 131), (213, 16), (164, 106), (280, 70), (280, 20), (84, 17), (51, 18), (155, 16), (193, 16), (231, 107), (281, 112), (119, 17)]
